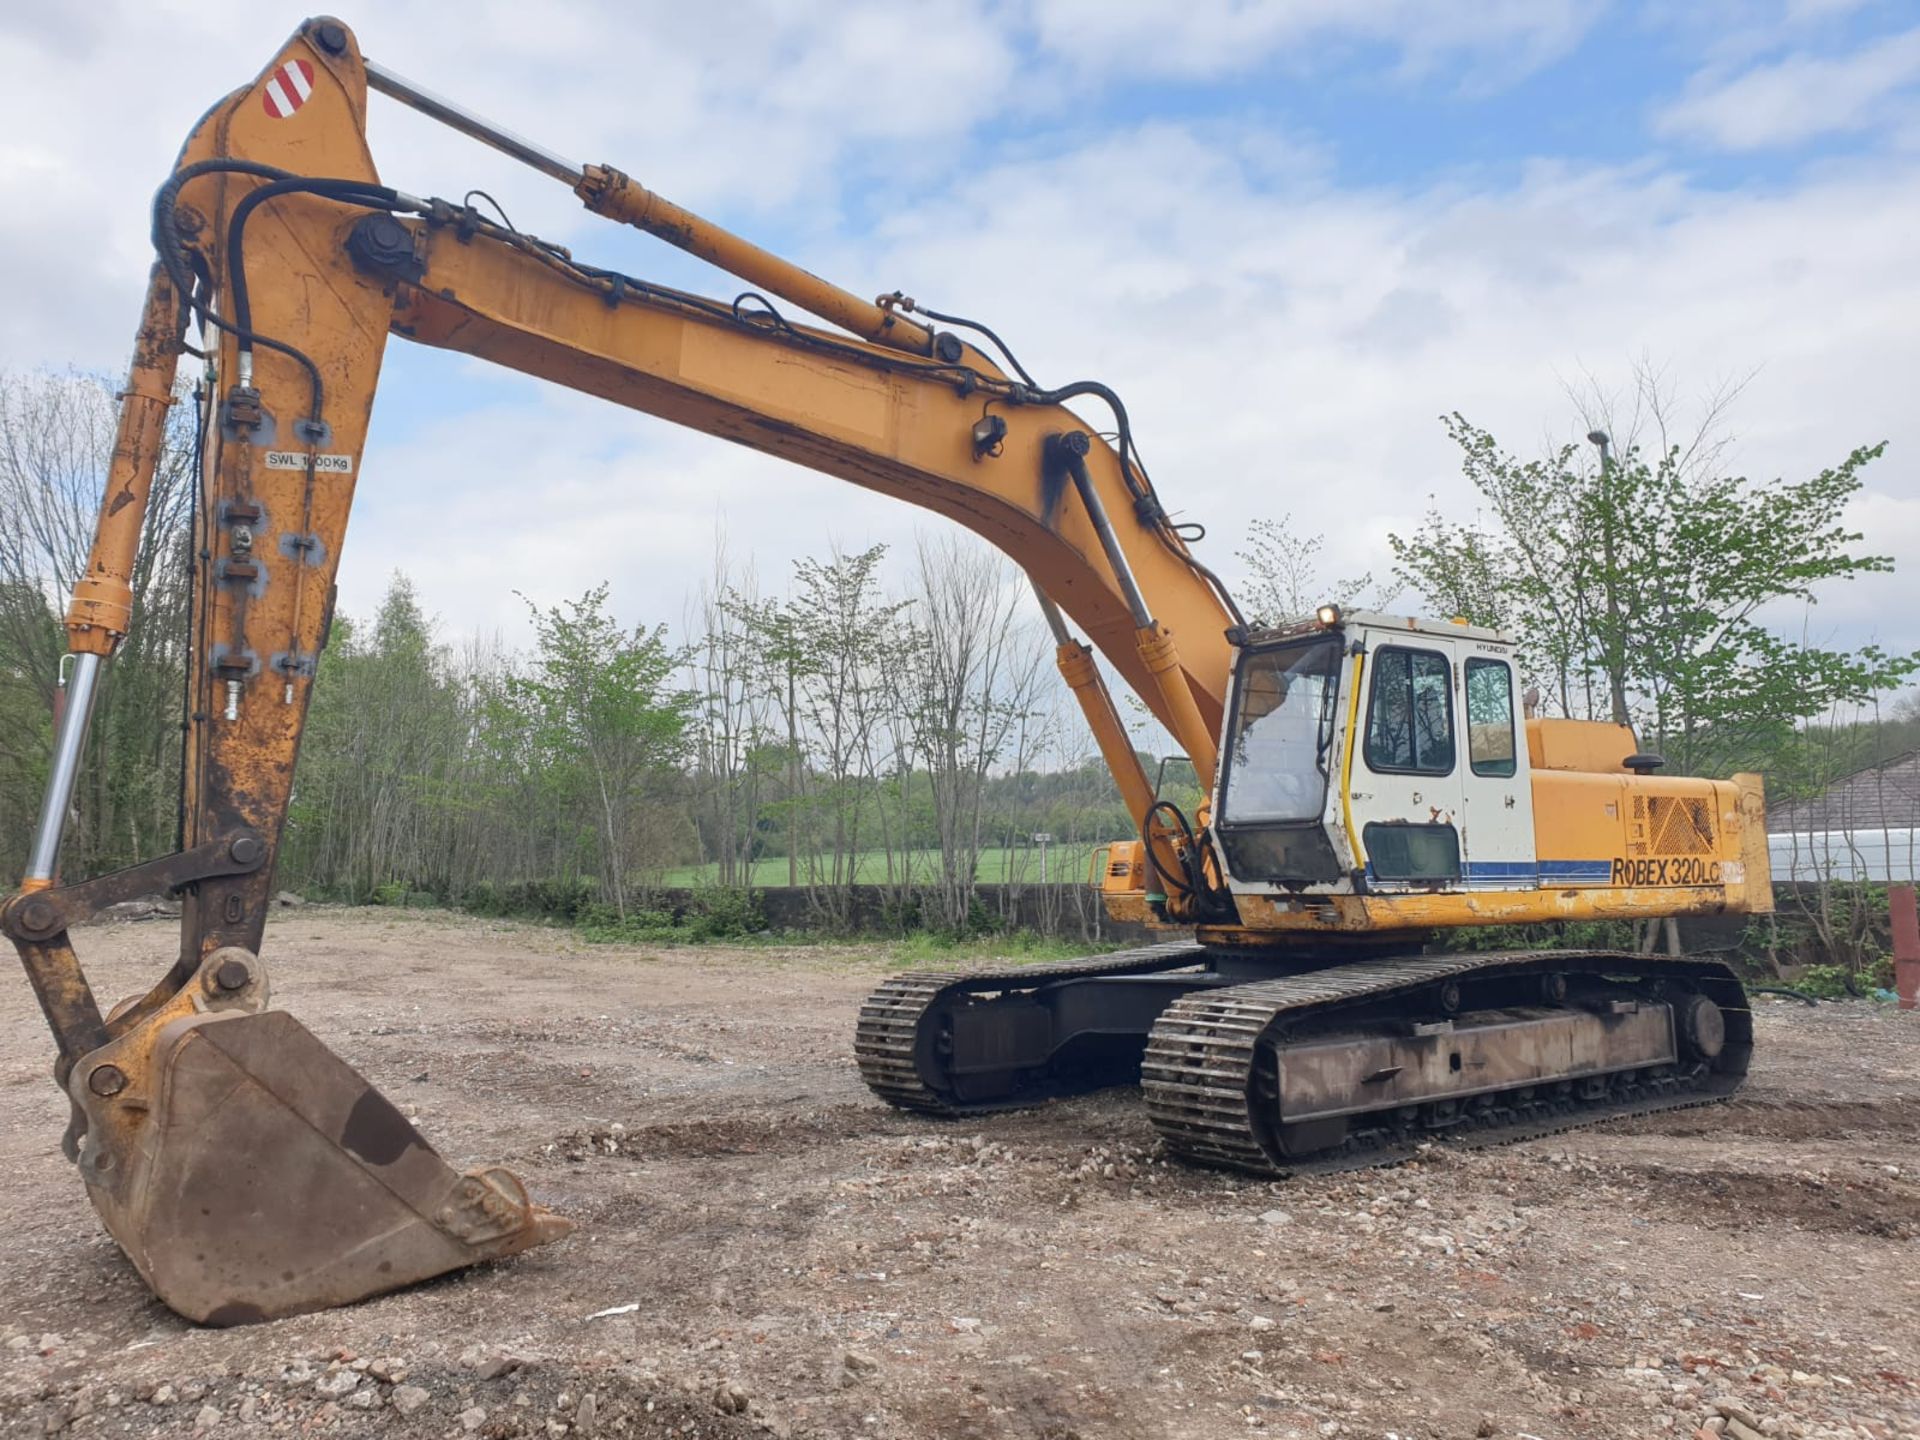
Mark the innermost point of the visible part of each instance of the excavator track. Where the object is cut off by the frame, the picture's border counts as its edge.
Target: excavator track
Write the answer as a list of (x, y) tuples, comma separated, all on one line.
[(897, 1044), (1211, 1075)]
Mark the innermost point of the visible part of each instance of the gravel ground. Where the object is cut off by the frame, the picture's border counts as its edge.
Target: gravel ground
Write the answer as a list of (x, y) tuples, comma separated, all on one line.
[(762, 1248)]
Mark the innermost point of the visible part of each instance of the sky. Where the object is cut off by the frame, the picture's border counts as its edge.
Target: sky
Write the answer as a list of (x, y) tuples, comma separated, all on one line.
[(1291, 235)]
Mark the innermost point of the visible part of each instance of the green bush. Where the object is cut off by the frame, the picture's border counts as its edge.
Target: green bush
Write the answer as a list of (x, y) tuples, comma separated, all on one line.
[(1841, 982), (565, 901), (901, 917), (482, 899), (715, 914), (726, 914)]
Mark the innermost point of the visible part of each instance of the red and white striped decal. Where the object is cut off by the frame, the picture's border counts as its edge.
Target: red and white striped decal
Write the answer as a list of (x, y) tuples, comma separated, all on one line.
[(287, 89)]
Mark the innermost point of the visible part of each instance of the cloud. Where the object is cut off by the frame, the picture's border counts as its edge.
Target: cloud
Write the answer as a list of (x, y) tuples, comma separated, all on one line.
[(1282, 349), (1194, 38), (1799, 98), (1288, 349), (1284, 339), (754, 119)]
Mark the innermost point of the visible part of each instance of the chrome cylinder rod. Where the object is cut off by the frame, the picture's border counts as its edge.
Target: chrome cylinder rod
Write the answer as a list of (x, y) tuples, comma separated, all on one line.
[(467, 123), (1069, 450), (1056, 622), (67, 745)]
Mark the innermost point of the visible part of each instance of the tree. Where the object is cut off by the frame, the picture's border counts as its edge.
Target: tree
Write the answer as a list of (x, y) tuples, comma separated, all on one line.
[(384, 754), (601, 714), (1637, 588), (971, 684), (826, 657), (1285, 579), (56, 439), (732, 733)]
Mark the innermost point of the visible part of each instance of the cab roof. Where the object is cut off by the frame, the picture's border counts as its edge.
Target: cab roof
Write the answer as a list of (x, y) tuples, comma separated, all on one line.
[(1375, 620)]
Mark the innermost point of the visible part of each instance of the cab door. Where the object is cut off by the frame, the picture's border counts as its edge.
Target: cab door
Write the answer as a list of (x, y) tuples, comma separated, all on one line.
[(1408, 794), (1496, 830)]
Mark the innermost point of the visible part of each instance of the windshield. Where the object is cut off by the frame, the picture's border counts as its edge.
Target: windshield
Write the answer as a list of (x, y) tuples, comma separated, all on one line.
[(1283, 729)]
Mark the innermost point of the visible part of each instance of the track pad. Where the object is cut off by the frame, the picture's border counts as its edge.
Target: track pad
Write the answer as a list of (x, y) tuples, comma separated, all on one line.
[(267, 1177)]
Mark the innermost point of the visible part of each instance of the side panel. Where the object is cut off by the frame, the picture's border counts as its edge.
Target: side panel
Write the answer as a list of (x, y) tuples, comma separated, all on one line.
[(1622, 831)]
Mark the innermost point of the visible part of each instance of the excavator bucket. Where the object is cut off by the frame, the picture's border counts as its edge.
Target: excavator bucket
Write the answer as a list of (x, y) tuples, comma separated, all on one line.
[(250, 1173)]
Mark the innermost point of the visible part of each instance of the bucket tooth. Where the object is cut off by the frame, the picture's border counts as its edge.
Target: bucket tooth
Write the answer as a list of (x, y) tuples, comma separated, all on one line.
[(255, 1174)]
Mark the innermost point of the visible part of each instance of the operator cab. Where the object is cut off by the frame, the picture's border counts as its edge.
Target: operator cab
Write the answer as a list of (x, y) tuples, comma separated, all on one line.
[(1374, 753)]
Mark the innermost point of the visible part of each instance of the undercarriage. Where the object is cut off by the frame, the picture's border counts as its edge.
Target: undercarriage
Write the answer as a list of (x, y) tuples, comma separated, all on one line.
[(1262, 1062)]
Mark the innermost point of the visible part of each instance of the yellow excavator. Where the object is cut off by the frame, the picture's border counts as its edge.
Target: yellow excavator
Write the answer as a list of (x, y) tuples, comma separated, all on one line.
[(1371, 781)]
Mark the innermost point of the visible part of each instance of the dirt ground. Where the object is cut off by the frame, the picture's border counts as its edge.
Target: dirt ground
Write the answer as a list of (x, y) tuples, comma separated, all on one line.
[(764, 1248)]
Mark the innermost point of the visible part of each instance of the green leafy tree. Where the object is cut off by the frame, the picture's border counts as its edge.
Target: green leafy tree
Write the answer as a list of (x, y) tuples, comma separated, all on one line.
[(56, 442), (604, 715), (384, 759), (825, 655), (1638, 588)]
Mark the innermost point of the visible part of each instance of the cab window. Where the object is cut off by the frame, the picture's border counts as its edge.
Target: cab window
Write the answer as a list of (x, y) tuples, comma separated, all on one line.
[(1490, 747), (1410, 713), (1283, 728)]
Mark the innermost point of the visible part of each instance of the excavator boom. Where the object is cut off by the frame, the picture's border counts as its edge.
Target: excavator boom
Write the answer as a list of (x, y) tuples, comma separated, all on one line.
[(276, 235)]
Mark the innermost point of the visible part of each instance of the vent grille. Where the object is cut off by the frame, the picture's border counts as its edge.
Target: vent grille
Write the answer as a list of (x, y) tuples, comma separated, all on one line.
[(1680, 825)]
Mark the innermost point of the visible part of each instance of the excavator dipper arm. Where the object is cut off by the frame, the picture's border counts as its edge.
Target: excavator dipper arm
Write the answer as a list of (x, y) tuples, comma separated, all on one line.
[(245, 1168)]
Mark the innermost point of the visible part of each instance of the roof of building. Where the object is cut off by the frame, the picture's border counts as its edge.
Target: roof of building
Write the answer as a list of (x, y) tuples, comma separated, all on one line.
[(1880, 796)]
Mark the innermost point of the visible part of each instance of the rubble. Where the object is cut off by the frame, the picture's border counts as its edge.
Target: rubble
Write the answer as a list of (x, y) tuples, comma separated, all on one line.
[(765, 1252)]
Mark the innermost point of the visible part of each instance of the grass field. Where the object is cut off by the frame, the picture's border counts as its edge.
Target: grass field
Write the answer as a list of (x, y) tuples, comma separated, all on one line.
[(998, 866)]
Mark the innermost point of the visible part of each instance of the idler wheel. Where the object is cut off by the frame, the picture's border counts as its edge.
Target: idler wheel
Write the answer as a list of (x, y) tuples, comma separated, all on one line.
[(1703, 1027)]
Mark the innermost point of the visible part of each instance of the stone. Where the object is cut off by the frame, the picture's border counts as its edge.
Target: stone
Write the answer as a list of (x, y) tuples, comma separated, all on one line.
[(290, 900), (367, 1397), (587, 1414), (488, 1363), (1275, 1217), (162, 1395), (859, 1362), (207, 1418), (472, 1418), (1261, 1322), (409, 1398), (336, 1383), (729, 1398)]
